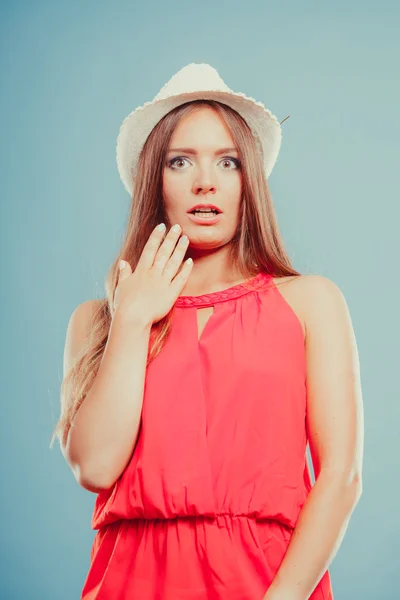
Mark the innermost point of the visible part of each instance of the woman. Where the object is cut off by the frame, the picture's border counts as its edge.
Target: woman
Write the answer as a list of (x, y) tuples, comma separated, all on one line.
[(191, 391)]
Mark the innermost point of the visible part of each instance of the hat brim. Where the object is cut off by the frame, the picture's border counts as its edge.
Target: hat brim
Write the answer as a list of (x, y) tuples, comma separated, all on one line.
[(138, 125)]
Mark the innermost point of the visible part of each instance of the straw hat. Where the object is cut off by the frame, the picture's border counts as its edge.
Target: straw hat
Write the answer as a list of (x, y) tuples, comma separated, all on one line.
[(193, 82)]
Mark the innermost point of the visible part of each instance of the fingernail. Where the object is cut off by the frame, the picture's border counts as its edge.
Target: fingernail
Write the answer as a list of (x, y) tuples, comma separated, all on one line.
[(121, 264)]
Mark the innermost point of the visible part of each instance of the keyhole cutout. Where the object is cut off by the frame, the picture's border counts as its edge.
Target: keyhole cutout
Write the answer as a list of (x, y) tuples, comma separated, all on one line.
[(203, 315)]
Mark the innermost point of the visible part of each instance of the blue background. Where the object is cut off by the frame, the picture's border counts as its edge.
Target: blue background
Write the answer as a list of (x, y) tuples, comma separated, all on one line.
[(71, 72)]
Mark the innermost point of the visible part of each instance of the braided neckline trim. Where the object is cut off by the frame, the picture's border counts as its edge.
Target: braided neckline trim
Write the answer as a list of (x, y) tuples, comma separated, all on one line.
[(235, 291)]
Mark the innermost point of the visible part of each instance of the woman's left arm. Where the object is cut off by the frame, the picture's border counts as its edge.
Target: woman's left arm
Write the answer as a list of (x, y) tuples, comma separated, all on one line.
[(335, 424)]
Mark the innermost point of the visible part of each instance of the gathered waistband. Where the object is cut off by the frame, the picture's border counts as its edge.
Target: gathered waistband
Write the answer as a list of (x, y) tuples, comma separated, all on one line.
[(216, 517)]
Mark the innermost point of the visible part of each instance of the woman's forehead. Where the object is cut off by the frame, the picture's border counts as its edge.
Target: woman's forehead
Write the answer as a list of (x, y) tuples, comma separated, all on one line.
[(202, 132)]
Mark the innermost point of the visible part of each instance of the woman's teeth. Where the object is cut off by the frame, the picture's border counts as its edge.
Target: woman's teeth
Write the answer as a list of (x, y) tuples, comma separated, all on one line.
[(205, 214)]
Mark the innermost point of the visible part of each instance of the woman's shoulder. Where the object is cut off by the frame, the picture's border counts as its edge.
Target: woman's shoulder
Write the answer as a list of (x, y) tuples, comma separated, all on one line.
[(78, 330), (85, 311), (305, 293)]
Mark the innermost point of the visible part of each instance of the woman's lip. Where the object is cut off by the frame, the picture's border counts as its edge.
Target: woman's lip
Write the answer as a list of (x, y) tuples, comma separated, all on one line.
[(205, 220)]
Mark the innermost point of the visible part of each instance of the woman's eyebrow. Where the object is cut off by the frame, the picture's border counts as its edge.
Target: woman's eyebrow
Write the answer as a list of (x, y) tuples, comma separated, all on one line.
[(193, 151)]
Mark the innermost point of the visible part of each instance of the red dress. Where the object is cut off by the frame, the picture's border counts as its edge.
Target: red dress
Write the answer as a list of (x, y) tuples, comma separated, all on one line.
[(206, 507)]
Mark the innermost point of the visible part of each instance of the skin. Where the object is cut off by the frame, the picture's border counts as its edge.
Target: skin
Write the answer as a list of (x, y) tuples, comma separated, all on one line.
[(204, 176)]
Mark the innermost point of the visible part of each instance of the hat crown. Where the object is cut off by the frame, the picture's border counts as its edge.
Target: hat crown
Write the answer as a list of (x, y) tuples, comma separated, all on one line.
[(193, 78)]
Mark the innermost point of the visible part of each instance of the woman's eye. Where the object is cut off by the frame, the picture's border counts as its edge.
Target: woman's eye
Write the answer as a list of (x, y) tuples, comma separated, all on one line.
[(174, 161), (232, 160)]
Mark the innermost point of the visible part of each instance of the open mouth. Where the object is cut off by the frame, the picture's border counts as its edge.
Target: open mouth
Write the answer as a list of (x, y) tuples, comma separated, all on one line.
[(212, 216), (204, 212)]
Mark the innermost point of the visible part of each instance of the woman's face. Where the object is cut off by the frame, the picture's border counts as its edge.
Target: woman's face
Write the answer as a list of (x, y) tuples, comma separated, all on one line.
[(203, 167)]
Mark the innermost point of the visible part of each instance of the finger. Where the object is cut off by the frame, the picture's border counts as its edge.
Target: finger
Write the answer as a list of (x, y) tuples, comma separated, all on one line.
[(124, 270), (166, 248), (181, 278), (176, 258), (150, 248)]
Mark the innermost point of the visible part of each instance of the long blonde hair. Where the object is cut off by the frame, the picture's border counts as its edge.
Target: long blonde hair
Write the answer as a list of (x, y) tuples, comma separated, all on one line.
[(256, 246)]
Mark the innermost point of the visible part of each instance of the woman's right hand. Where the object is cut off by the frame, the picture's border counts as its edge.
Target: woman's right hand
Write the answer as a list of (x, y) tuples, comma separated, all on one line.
[(152, 289)]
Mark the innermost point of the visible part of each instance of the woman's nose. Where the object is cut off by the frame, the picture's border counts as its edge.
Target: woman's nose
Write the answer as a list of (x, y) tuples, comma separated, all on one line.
[(204, 187), (204, 183)]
